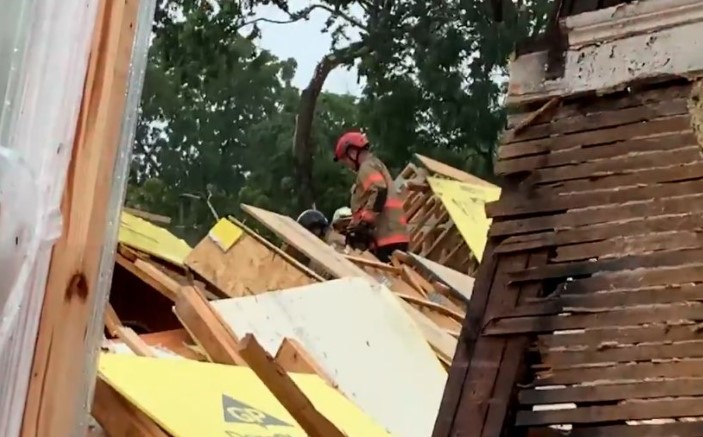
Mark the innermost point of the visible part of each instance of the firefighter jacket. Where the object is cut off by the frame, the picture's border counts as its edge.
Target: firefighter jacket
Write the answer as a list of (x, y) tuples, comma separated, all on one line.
[(375, 200)]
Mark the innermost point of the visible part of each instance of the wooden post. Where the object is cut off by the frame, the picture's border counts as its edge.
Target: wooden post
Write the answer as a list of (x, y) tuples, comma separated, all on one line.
[(60, 372)]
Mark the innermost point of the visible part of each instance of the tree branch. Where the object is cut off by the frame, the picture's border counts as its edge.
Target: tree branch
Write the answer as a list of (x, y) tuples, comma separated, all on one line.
[(302, 147), (304, 14)]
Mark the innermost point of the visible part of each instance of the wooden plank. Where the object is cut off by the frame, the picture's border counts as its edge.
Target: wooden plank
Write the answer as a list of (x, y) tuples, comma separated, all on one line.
[(632, 245), (641, 278), (155, 218), (671, 149), (605, 214), (605, 337), (286, 391), (112, 321), (680, 429), (118, 417), (609, 300), (513, 366), (207, 327), (365, 262), (136, 344), (447, 171), (176, 340), (618, 99), (293, 358), (60, 368), (618, 317), (588, 161), (623, 372), (629, 353), (511, 207), (602, 231), (662, 172), (163, 284), (640, 410), (481, 379), (580, 268), (613, 392), (468, 338), (677, 123), (606, 118), (460, 284)]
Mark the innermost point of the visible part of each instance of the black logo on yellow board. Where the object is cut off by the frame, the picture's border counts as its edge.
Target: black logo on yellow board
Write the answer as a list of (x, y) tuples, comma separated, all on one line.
[(239, 412)]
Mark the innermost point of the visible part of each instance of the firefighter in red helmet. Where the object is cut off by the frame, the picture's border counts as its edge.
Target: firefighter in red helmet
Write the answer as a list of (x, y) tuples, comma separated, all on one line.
[(378, 220)]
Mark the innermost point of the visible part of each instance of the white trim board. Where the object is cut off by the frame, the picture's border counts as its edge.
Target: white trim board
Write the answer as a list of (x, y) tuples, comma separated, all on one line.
[(361, 337), (611, 48)]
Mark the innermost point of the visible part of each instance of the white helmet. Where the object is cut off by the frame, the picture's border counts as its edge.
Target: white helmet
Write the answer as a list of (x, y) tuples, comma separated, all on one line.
[(341, 213)]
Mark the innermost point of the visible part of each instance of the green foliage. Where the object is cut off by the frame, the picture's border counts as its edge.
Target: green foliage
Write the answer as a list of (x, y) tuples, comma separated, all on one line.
[(218, 113)]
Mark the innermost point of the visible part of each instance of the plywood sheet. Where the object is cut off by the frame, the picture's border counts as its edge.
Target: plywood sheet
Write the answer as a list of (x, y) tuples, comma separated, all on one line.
[(188, 398), (338, 266), (458, 282), (239, 264), (359, 334), (298, 237)]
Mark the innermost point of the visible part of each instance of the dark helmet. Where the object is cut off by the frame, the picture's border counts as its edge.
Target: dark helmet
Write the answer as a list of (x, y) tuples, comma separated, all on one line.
[(314, 221)]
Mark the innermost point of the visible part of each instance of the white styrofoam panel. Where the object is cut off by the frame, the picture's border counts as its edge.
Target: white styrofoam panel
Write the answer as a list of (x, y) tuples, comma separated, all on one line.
[(359, 334)]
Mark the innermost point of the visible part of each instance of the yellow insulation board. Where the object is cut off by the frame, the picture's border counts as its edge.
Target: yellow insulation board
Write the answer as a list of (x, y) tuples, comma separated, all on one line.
[(466, 205), (193, 399), (141, 235)]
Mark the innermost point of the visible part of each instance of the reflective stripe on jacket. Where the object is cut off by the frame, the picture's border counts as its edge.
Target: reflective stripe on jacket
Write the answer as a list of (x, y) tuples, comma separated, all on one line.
[(390, 225)]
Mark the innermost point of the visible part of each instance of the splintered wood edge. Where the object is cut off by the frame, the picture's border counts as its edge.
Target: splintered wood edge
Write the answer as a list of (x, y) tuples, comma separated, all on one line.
[(193, 309), (282, 386), (119, 417)]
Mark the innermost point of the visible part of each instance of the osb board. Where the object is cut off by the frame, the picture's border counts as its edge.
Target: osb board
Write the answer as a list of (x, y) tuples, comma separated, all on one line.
[(609, 195), (247, 267), (340, 267), (363, 340), (189, 398)]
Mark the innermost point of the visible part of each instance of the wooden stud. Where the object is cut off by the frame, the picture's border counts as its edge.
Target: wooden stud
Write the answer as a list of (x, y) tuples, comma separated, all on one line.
[(60, 370), (207, 327), (118, 417), (285, 390)]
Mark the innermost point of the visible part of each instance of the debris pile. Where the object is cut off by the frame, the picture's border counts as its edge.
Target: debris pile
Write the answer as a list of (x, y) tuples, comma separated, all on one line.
[(236, 337)]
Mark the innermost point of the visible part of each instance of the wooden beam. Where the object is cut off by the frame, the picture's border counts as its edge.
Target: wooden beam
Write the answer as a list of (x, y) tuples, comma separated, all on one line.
[(286, 391), (614, 47), (156, 218), (112, 321), (149, 274), (134, 342), (118, 417), (206, 327), (293, 357), (58, 383)]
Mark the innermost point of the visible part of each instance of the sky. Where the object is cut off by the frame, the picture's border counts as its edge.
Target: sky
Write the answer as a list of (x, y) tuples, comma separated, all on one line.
[(304, 42)]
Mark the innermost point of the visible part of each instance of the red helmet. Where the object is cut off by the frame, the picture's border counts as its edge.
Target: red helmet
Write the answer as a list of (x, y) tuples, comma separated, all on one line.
[(350, 139)]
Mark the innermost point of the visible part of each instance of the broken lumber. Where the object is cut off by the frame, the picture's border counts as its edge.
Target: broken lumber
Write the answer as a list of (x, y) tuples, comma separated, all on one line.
[(206, 327), (118, 417), (285, 390)]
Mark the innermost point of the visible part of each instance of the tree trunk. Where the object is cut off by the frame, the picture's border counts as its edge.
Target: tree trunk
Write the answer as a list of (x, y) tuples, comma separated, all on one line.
[(303, 149)]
